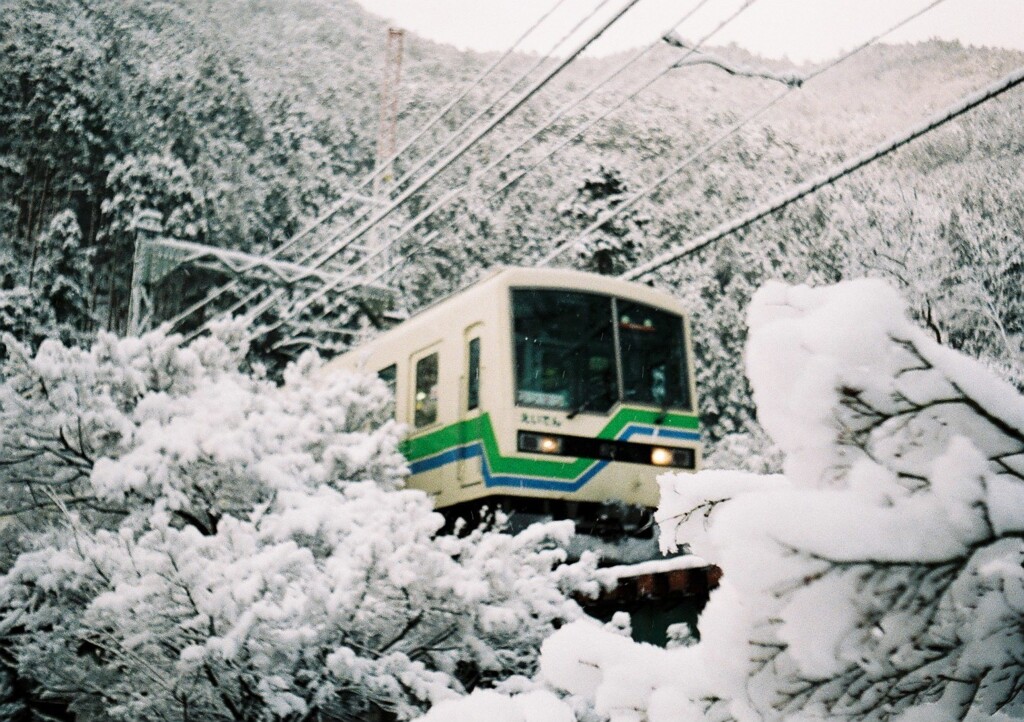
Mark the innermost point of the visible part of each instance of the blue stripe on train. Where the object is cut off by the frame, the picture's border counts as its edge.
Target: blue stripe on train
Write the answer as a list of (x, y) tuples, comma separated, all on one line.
[(475, 449)]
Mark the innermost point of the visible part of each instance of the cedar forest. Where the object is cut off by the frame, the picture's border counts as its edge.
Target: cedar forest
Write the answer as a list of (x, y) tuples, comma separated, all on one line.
[(154, 533)]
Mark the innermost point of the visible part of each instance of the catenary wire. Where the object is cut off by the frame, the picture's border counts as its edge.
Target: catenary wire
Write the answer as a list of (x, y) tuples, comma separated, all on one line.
[(349, 195), (661, 180), (458, 190), (733, 129), (952, 112), (452, 137), (451, 158), (444, 164)]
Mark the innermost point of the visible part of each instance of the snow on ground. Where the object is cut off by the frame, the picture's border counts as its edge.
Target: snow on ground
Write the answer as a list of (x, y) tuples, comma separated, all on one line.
[(879, 578)]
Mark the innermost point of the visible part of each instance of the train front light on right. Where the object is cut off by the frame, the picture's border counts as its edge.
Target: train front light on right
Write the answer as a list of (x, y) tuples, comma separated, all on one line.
[(619, 450), (540, 443), (679, 458), (660, 456)]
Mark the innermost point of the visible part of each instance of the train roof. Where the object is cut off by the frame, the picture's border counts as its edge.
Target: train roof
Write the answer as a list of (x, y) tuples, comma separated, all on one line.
[(513, 276)]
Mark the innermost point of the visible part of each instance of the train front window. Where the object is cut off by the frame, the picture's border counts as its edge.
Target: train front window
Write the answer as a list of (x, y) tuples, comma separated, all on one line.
[(564, 350), (653, 363)]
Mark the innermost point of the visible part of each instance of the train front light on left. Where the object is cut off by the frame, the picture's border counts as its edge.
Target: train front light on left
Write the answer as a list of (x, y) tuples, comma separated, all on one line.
[(582, 447), (540, 443)]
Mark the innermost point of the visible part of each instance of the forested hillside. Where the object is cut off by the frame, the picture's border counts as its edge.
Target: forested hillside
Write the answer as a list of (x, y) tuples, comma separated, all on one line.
[(191, 529), (240, 122)]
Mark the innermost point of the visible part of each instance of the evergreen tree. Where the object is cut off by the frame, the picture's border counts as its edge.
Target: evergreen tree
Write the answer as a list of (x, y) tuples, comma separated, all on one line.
[(613, 247)]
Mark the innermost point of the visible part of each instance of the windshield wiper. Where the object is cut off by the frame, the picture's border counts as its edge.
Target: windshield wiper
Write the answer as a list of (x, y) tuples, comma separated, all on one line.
[(663, 413), (584, 404)]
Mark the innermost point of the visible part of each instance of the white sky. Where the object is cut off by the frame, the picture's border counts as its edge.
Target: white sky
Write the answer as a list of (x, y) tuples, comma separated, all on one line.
[(802, 30)]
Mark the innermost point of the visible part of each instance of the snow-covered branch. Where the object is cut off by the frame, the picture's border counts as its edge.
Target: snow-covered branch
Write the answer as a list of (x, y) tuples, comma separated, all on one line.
[(879, 578)]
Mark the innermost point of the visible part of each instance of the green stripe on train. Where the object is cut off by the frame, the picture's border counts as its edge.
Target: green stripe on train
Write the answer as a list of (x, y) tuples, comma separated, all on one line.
[(480, 429)]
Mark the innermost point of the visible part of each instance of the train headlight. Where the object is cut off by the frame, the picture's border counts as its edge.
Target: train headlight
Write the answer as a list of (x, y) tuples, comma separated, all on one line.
[(661, 456), (540, 443), (550, 444)]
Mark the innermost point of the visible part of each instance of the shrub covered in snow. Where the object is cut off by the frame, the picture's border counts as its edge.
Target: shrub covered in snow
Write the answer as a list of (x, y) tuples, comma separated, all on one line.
[(880, 578), (206, 545)]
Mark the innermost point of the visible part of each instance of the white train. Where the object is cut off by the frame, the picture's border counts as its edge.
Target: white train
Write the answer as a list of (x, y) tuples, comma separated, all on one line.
[(542, 391)]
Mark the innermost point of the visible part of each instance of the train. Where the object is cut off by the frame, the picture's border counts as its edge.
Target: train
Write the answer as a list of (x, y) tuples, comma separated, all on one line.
[(547, 393)]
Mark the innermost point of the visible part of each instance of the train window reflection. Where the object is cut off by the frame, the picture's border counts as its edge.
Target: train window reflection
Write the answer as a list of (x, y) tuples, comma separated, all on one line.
[(564, 350), (426, 391), (653, 363)]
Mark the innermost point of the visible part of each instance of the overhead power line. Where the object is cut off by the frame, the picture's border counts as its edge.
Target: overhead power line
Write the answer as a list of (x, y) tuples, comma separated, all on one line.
[(422, 163), (454, 136), (440, 114), (478, 175), (954, 111), (581, 131), (475, 177), (661, 180), (353, 192), (451, 158), (363, 213), (554, 117)]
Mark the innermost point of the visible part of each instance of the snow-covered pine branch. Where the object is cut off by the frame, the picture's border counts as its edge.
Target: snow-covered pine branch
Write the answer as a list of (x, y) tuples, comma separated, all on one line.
[(879, 578), (207, 545)]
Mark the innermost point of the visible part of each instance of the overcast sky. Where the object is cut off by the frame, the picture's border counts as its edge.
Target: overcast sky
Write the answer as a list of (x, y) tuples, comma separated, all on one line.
[(799, 29)]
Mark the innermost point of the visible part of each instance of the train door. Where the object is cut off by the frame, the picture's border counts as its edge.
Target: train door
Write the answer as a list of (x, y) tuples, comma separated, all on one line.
[(425, 368), (424, 410), (470, 403)]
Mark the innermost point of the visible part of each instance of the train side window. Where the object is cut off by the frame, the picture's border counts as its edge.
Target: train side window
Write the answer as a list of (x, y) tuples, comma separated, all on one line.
[(389, 375), (426, 391), (473, 377)]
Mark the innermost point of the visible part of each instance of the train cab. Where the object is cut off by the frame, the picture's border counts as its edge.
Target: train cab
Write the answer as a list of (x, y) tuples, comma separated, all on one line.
[(541, 389)]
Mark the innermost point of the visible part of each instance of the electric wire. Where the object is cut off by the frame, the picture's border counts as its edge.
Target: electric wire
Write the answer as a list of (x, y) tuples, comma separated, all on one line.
[(620, 208), (484, 111), (550, 121), (475, 177), (547, 124), (451, 158), (582, 130), (952, 112), (453, 193), (276, 295), (439, 115), (661, 180), (607, 79), (350, 194), (452, 137), (730, 131)]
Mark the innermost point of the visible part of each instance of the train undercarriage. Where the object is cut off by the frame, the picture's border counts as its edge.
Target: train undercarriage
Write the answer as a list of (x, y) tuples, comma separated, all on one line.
[(657, 591)]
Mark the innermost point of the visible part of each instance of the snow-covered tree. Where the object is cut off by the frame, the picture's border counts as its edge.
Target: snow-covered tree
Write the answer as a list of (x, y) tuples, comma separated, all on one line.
[(613, 247), (62, 276), (193, 542), (879, 578), (47, 296)]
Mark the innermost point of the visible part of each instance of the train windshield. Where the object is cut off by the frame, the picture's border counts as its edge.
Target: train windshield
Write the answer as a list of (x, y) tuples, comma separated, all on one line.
[(653, 362), (566, 356), (565, 350)]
